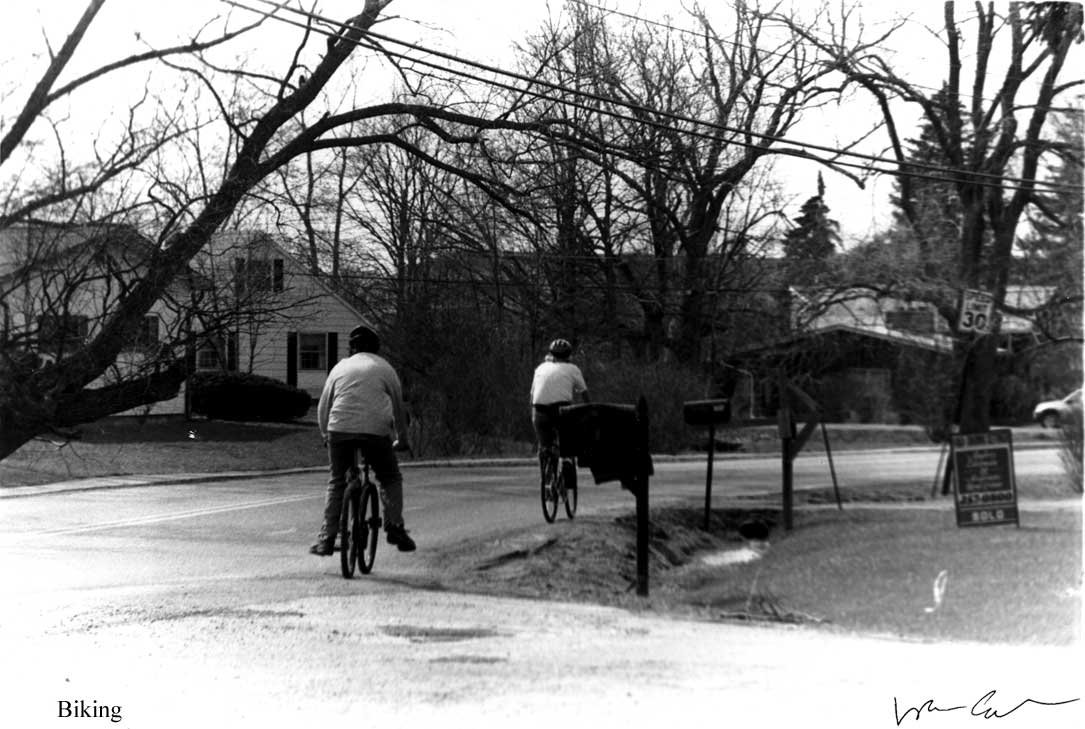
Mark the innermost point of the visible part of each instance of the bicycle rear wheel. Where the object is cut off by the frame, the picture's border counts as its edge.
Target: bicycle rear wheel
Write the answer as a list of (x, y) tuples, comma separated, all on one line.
[(369, 527), (349, 526), (569, 492), (550, 487)]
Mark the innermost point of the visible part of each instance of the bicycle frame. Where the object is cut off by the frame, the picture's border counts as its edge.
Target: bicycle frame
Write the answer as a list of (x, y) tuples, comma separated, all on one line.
[(555, 483)]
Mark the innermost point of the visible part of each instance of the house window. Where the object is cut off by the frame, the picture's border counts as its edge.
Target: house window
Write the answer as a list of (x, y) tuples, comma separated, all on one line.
[(313, 352), (217, 353), (257, 275), (61, 331), (147, 337)]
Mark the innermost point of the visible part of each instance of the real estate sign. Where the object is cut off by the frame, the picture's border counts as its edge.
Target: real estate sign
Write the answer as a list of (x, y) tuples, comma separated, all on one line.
[(986, 492)]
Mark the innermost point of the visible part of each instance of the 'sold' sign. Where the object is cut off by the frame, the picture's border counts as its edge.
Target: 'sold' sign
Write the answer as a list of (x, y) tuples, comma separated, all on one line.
[(986, 491)]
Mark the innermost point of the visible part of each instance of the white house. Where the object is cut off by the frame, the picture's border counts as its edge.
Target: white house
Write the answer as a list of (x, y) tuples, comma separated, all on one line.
[(268, 315), (286, 323), (58, 282)]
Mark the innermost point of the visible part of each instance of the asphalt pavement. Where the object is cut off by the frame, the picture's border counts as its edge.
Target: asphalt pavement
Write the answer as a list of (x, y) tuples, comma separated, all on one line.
[(407, 656), (1029, 437)]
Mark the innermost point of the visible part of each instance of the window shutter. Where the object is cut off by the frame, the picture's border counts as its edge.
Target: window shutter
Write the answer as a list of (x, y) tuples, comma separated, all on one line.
[(239, 277), (333, 349), (292, 358), (231, 353), (277, 275), (151, 336)]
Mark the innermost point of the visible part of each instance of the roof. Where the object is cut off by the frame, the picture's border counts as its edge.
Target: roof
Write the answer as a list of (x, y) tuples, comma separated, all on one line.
[(41, 243), (248, 240), (868, 312), (939, 343)]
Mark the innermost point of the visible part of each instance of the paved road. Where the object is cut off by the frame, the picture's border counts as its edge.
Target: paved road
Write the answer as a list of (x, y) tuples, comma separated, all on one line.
[(195, 604)]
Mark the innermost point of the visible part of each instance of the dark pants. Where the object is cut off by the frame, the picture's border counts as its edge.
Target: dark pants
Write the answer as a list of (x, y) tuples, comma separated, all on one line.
[(378, 453), (545, 420)]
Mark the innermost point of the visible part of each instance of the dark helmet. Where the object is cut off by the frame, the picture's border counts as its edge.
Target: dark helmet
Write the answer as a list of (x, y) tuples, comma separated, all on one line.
[(561, 349), (364, 339)]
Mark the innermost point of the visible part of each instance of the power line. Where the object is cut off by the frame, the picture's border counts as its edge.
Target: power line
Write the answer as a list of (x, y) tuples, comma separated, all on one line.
[(977, 177), (997, 180), (724, 41)]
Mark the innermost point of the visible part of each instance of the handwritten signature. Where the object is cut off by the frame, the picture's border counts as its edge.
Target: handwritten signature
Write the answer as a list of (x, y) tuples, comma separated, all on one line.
[(980, 708)]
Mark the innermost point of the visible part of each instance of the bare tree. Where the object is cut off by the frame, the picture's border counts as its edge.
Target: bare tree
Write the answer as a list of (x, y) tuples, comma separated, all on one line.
[(990, 125), (681, 126), (262, 134)]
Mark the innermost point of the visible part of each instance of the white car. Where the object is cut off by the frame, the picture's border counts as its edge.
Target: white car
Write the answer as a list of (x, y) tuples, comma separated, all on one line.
[(1051, 412)]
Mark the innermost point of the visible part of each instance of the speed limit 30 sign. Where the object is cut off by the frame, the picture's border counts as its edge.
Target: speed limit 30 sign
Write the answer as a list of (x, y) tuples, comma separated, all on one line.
[(977, 307)]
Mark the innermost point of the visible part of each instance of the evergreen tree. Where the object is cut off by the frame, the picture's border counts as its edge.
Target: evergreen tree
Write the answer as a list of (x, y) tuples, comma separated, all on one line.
[(936, 202), (815, 235)]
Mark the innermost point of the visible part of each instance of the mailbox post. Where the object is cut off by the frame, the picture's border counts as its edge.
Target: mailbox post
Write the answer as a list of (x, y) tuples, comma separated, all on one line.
[(710, 413), (612, 441)]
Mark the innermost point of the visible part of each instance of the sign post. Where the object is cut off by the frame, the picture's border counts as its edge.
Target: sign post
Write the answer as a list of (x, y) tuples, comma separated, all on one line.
[(710, 413), (612, 441), (986, 492), (792, 442)]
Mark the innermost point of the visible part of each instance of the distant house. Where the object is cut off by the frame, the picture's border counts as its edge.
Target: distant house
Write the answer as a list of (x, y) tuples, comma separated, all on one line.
[(244, 305), (907, 323), (852, 347)]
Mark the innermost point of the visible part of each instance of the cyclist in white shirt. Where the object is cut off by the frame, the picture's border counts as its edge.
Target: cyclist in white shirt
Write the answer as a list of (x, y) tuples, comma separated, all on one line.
[(557, 382)]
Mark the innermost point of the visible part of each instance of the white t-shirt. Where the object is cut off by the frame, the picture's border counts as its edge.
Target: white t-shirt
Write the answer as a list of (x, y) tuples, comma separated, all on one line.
[(556, 382)]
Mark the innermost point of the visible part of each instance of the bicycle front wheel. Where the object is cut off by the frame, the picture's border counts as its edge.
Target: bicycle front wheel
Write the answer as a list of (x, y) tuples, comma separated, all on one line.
[(369, 528), (349, 530), (550, 490)]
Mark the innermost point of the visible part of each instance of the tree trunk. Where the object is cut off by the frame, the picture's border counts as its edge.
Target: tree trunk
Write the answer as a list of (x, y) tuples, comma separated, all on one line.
[(979, 379), (20, 422)]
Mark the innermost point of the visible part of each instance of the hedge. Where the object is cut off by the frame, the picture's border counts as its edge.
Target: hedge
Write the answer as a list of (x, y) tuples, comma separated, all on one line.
[(244, 397)]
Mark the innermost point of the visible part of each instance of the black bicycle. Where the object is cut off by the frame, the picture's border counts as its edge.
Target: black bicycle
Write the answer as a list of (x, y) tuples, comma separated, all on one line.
[(558, 484), (359, 522)]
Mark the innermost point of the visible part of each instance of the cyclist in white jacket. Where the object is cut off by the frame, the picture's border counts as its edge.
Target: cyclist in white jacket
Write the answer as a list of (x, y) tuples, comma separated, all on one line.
[(557, 382), (361, 409)]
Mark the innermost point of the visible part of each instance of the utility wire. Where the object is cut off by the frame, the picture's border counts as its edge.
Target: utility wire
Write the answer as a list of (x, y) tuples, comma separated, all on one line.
[(736, 44), (977, 177), (997, 180)]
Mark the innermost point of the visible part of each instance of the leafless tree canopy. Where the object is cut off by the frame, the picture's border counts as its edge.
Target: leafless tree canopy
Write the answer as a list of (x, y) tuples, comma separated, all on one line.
[(614, 185)]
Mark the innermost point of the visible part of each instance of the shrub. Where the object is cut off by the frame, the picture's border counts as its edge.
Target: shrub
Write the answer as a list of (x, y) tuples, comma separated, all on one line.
[(1012, 399), (925, 390), (1070, 449), (666, 386), (241, 396)]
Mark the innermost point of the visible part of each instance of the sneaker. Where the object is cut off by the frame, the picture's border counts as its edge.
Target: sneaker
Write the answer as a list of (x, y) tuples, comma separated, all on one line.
[(322, 549), (324, 546), (398, 536)]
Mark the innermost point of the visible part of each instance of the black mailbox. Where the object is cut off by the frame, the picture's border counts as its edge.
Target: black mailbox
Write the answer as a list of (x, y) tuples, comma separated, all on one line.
[(611, 440), (707, 412)]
